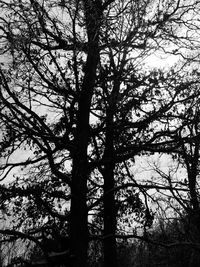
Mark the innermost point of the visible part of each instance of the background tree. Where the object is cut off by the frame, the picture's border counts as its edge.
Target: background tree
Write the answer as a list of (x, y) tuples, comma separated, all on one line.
[(127, 88)]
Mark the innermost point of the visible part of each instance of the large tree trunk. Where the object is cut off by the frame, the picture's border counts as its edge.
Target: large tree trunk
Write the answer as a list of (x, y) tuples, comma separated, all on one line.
[(80, 171), (110, 220), (110, 254)]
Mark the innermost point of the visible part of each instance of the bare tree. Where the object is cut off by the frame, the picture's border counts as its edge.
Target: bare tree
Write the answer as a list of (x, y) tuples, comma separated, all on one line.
[(75, 99)]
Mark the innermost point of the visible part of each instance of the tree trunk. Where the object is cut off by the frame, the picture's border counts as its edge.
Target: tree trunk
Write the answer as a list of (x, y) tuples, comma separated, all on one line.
[(110, 253), (80, 171)]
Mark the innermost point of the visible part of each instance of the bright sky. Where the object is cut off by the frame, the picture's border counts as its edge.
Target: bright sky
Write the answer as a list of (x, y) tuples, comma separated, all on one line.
[(162, 61)]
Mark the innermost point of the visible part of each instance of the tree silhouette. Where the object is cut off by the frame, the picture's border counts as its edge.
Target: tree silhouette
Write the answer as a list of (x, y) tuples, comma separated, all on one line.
[(78, 104)]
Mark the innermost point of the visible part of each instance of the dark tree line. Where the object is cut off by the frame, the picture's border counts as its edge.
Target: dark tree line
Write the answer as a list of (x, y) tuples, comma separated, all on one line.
[(78, 103)]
